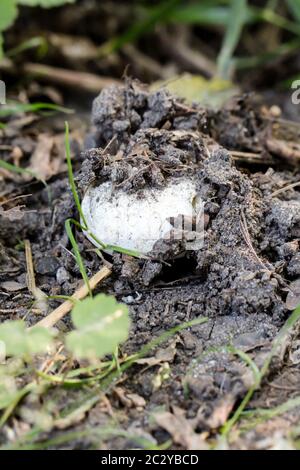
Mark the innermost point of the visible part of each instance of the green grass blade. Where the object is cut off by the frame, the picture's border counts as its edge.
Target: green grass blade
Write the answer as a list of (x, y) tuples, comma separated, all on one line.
[(71, 175), (77, 254), (20, 395), (247, 359), (84, 226), (36, 42), (269, 413), (168, 334), (294, 7), (287, 327), (24, 171), (262, 59), (200, 14), (232, 36), (270, 16), (153, 16), (14, 108), (16, 169), (125, 251), (148, 347), (35, 440)]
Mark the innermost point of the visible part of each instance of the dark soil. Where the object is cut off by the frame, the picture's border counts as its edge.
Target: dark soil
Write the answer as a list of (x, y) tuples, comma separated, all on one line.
[(244, 279), (251, 238)]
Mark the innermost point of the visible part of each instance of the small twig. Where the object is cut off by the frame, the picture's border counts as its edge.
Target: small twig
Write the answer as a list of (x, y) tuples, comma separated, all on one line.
[(7, 311), (70, 78), (144, 61), (289, 151), (247, 238), (38, 294), (178, 48), (30, 270), (22, 196), (67, 77), (249, 157), (283, 387), (285, 188), (67, 251), (134, 175), (79, 294), (46, 366)]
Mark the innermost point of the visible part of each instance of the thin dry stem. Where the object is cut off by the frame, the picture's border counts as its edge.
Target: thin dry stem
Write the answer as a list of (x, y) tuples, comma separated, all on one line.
[(30, 270), (285, 188), (79, 294), (245, 231)]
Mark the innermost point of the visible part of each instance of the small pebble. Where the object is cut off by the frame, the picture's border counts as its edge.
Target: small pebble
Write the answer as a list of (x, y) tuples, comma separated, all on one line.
[(47, 265), (62, 275)]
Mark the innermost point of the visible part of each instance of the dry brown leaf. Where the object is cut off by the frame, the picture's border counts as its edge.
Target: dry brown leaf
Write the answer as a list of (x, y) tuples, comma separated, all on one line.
[(180, 429), (221, 412), (42, 163), (12, 286), (74, 48), (287, 150), (161, 356), (148, 361), (15, 213), (136, 400), (77, 415), (129, 400), (24, 121)]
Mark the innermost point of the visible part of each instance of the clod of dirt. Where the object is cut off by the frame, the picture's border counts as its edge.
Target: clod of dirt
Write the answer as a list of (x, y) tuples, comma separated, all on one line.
[(143, 141)]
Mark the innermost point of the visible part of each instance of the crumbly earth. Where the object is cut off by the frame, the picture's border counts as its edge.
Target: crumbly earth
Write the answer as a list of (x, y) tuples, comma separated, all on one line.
[(244, 278), (251, 238)]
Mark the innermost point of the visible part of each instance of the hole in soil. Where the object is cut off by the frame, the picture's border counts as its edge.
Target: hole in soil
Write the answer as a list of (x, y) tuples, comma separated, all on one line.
[(180, 268)]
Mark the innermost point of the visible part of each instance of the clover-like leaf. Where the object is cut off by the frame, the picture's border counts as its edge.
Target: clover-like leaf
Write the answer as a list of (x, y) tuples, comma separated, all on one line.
[(8, 14), (101, 325), (8, 10), (8, 391), (20, 341)]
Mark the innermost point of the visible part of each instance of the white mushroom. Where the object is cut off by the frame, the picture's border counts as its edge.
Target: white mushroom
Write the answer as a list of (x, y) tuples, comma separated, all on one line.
[(137, 220)]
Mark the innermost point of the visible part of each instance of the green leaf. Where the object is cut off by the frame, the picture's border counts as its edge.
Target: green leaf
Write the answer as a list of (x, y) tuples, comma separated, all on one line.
[(8, 13), (1, 46), (44, 3), (20, 341), (294, 7), (233, 32), (195, 89), (208, 13), (200, 14), (101, 325), (78, 257), (8, 390), (14, 107), (157, 14)]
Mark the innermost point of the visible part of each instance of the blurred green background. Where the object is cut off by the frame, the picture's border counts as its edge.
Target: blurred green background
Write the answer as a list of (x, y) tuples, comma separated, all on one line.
[(253, 43)]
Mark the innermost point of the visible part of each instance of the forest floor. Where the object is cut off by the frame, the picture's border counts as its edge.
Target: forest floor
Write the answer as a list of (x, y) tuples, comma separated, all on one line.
[(230, 381)]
